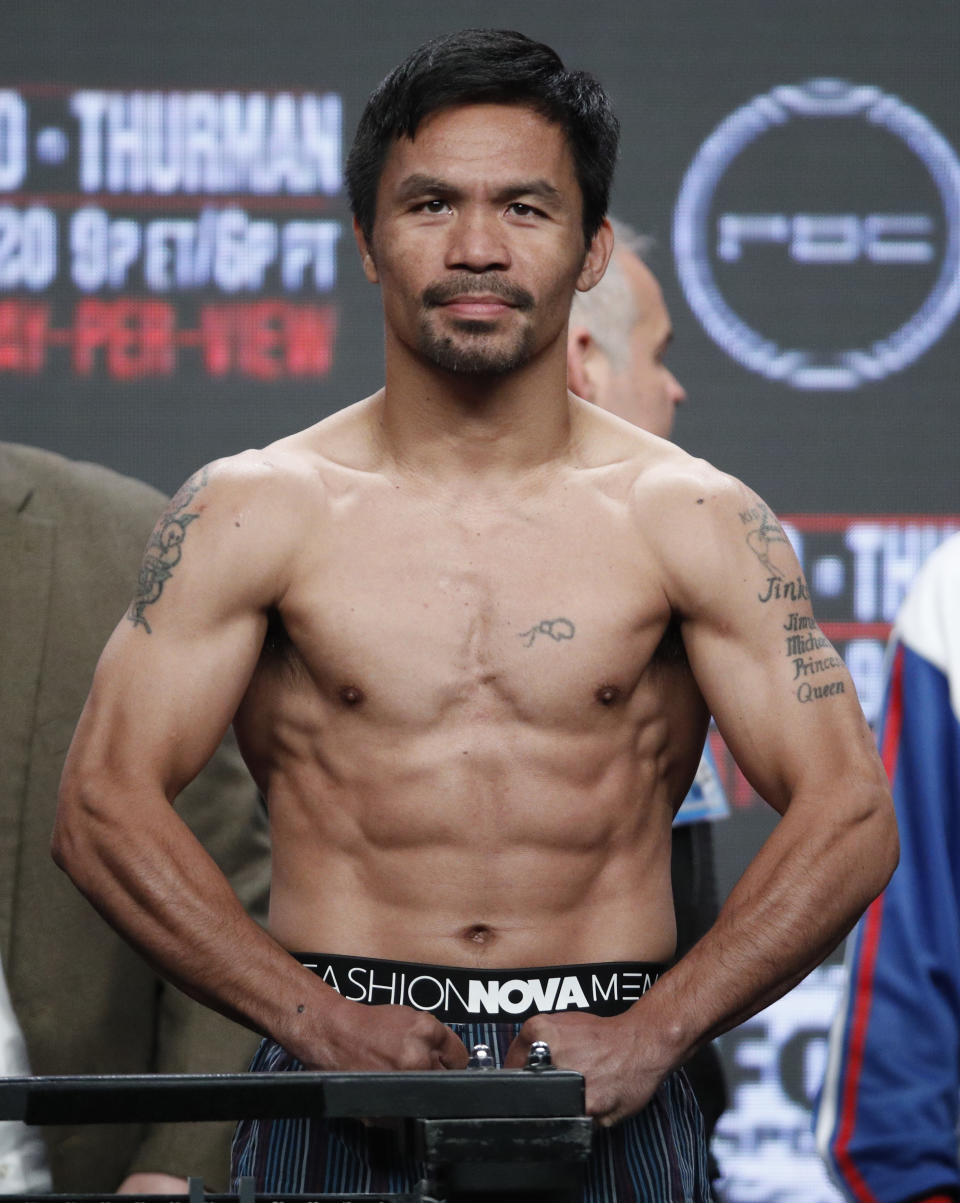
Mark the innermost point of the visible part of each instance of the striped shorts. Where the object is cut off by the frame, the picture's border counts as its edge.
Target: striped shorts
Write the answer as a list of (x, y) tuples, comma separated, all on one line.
[(657, 1156)]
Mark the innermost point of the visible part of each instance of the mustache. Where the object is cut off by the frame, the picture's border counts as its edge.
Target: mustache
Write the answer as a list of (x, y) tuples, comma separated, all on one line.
[(471, 285)]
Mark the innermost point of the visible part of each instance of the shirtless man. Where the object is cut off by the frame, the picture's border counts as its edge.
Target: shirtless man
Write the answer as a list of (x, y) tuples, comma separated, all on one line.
[(469, 631)]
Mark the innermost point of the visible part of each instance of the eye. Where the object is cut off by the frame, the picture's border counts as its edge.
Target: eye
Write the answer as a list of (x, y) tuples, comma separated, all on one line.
[(436, 205), (521, 209)]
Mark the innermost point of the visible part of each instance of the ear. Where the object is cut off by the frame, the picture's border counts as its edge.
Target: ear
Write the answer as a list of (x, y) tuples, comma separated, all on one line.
[(597, 257), (366, 256), (582, 365)]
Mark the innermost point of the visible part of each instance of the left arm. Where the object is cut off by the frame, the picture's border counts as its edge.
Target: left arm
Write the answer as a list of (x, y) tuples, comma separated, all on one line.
[(787, 709)]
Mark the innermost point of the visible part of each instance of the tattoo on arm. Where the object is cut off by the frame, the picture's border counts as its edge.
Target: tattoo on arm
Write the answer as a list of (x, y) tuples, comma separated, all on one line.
[(556, 629), (164, 549), (763, 536), (805, 644), (808, 650), (777, 589)]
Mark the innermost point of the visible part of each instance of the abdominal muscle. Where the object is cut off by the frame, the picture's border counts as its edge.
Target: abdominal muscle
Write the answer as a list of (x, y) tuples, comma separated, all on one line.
[(472, 847)]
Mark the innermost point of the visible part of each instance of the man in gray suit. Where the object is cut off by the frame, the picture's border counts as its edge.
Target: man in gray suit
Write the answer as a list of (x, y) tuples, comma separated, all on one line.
[(71, 538)]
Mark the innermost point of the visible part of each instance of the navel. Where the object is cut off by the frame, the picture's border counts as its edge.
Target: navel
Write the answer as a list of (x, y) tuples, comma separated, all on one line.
[(479, 933)]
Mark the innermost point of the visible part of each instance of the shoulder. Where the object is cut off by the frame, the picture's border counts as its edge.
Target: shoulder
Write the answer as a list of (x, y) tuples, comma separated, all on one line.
[(653, 469), (939, 578), (241, 525), (681, 506), (709, 532), (677, 496), (305, 462), (673, 477), (929, 621), (281, 488), (246, 507)]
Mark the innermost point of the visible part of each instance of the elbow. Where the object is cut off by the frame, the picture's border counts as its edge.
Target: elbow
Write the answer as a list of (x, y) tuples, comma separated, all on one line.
[(884, 845), (79, 818), (64, 846), (893, 847), (66, 839)]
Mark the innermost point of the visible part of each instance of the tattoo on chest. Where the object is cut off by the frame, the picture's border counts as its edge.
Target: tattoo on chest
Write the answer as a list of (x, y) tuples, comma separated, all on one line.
[(165, 549), (556, 629)]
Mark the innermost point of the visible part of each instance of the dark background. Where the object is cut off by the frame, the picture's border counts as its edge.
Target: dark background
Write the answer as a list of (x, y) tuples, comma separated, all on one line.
[(675, 69)]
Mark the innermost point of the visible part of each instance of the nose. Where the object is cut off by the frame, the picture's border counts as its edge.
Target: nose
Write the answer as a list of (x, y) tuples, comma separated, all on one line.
[(678, 394), (477, 243)]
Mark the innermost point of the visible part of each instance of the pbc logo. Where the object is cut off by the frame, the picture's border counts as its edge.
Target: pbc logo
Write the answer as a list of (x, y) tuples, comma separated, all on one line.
[(817, 235), (831, 238)]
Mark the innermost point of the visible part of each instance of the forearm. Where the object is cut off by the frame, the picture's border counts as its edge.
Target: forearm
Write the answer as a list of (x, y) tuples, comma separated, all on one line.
[(798, 898), (155, 884)]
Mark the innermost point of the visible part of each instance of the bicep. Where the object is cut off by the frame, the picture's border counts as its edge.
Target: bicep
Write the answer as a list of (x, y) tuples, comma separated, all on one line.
[(177, 665), (160, 703), (780, 693)]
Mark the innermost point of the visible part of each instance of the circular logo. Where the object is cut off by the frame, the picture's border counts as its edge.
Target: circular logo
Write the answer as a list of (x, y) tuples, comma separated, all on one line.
[(822, 299)]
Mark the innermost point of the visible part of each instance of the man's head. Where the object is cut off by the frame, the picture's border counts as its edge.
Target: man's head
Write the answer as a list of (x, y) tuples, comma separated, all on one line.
[(486, 66), (479, 181), (618, 335)]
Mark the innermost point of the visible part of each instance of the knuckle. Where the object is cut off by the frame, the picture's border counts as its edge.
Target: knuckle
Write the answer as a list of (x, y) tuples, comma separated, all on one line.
[(425, 1027), (535, 1028), (411, 1054)]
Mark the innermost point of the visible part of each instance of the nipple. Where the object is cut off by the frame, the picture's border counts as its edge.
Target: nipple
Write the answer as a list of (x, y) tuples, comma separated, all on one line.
[(607, 695), (350, 695)]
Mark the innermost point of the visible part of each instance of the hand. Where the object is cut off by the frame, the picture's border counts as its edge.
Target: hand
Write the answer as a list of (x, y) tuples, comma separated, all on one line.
[(153, 1184), (357, 1036), (622, 1070)]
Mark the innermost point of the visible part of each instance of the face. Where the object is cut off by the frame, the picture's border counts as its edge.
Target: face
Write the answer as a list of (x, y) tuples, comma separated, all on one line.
[(477, 242), (645, 392)]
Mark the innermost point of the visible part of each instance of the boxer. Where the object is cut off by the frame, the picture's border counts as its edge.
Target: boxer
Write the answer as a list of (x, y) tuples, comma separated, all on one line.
[(469, 631)]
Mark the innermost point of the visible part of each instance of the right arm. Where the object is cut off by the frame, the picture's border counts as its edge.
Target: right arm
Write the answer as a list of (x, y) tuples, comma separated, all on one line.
[(224, 811), (165, 690)]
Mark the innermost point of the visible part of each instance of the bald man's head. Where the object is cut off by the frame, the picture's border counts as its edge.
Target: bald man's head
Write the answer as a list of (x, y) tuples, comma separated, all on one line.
[(618, 337)]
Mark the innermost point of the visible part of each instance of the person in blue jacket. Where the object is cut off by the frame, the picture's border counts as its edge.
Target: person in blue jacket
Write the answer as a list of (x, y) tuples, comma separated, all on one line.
[(888, 1114)]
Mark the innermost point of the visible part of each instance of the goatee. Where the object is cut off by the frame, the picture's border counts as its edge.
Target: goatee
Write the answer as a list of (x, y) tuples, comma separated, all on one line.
[(476, 352), (474, 355)]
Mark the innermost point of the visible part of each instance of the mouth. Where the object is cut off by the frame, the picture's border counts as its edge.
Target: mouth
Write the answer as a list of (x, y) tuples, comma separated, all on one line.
[(463, 298), (473, 306)]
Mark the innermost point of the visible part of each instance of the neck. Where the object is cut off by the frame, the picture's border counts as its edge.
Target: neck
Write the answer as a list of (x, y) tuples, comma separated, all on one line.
[(475, 428)]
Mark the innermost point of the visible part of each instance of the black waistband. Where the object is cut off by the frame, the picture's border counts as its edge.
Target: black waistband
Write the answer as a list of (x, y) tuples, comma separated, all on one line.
[(457, 995)]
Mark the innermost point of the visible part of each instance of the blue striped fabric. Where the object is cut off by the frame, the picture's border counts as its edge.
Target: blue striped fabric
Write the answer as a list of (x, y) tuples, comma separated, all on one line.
[(658, 1156)]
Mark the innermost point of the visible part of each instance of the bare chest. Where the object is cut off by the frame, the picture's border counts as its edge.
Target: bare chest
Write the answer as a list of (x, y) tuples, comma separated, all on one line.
[(533, 612)]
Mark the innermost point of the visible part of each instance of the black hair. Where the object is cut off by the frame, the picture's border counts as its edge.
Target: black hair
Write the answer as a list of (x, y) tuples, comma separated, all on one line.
[(486, 66)]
